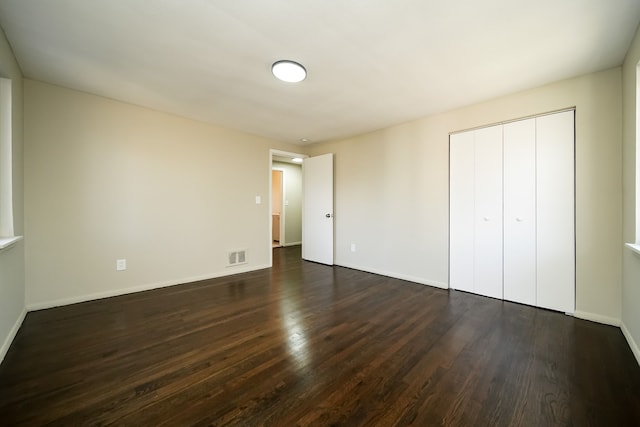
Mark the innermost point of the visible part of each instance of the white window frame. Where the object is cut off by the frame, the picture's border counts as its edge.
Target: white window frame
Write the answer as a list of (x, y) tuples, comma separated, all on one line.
[(638, 155), (636, 245), (7, 236)]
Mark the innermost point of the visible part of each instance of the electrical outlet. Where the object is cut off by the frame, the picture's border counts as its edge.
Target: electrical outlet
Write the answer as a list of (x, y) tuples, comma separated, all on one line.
[(121, 264), (353, 247)]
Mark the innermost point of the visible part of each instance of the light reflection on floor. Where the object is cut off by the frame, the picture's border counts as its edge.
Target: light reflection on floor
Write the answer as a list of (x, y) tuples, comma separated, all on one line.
[(293, 326)]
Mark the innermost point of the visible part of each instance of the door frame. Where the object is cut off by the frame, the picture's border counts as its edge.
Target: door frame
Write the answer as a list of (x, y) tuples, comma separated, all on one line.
[(281, 153)]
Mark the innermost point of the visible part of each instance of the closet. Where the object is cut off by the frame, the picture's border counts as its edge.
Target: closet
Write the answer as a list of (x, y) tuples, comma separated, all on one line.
[(511, 224)]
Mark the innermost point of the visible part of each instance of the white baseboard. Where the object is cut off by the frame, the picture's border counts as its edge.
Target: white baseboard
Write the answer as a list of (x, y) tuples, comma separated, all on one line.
[(598, 318), (408, 278), (12, 334), (116, 292), (292, 244), (632, 343)]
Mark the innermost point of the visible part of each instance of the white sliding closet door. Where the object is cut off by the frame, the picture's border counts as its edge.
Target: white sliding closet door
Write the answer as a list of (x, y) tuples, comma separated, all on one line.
[(520, 211), (461, 208), (555, 211), (488, 212)]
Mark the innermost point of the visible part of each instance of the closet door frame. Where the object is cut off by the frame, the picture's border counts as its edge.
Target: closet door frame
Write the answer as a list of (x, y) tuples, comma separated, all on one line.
[(554, 257)]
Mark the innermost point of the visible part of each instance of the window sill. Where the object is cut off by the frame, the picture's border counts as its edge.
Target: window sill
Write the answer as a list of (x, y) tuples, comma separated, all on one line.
[(634, 247), (7, 242)]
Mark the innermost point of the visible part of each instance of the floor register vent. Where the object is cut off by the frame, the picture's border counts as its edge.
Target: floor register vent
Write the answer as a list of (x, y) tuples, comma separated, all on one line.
[(236, 257)]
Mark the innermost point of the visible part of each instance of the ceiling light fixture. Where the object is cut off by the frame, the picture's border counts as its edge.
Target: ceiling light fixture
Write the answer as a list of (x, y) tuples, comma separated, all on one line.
[(296, 160), (289, 71)]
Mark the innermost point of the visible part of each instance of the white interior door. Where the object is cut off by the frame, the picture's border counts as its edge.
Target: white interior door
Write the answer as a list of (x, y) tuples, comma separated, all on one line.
[(317, 209), (555, 211), (461, 211), (488, 212), (519, 145)]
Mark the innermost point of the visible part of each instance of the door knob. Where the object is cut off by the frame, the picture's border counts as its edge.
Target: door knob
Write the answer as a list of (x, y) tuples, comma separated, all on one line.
[(519, 219), (328, 215)]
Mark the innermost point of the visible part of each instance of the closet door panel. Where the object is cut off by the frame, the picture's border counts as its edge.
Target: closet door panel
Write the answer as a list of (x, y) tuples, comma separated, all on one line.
[(488, 212), (519, 146), (461, 207), (555, 211)]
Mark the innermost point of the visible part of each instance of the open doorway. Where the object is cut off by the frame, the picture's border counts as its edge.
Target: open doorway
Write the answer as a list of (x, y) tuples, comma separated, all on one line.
[(277, 206), (285, 198)]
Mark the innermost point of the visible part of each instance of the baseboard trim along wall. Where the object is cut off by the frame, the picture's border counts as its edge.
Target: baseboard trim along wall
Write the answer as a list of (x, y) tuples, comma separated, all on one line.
[(598, 318), (12, 334), (414, 279), (632, 343), (116, 292)]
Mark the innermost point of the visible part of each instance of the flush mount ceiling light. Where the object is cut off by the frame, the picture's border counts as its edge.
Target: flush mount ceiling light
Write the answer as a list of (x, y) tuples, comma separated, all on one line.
[(289, 71)]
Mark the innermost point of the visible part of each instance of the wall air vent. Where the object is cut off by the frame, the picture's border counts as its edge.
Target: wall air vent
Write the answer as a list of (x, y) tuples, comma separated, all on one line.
[(236, 257)]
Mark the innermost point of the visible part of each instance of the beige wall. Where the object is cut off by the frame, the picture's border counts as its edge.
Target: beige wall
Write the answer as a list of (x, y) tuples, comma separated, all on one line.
[(630, 261), (12, 284), (391, 189), (106, 180), (293, 195)]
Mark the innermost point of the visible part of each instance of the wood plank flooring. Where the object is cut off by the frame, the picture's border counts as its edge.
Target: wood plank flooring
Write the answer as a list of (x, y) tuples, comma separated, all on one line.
[(304, 344)]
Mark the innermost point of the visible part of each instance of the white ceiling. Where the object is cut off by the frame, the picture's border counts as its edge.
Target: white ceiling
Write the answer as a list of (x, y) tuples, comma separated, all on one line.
[(371, 63)]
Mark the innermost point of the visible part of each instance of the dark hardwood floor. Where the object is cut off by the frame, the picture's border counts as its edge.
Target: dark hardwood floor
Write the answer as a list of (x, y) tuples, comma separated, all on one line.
[(306, 344)]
